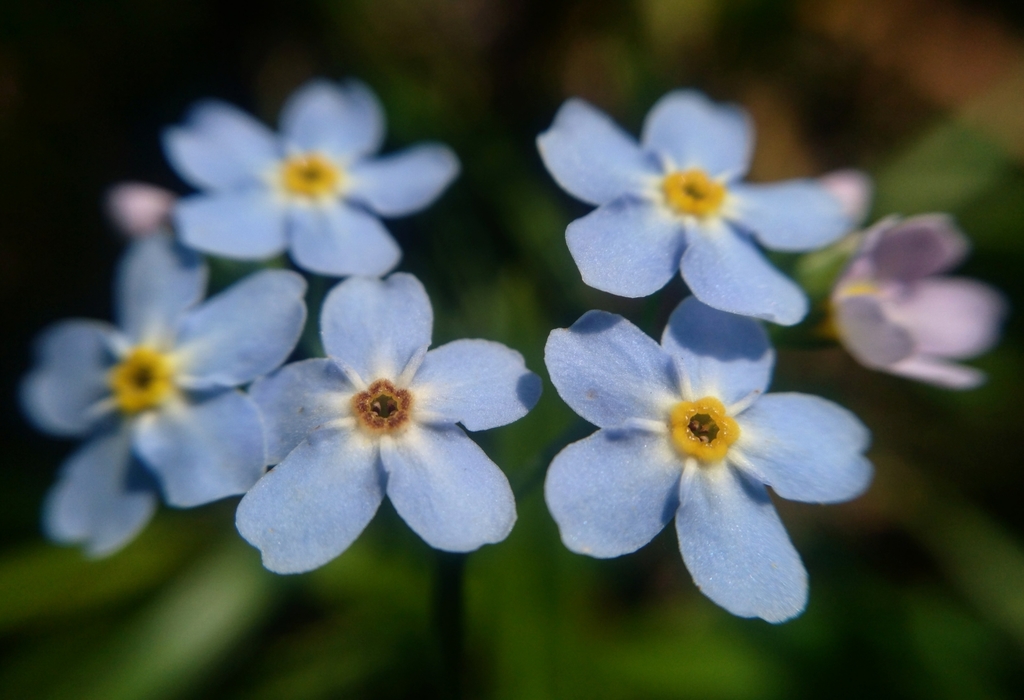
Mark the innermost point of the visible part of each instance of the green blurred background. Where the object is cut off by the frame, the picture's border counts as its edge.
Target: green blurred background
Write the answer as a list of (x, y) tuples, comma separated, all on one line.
[(917, 589)]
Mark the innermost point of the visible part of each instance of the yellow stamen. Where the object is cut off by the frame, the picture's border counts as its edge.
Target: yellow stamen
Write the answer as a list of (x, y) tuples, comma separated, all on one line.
[(141, 381), (703, 429), (693, 192), (858, 289), (310, 175)]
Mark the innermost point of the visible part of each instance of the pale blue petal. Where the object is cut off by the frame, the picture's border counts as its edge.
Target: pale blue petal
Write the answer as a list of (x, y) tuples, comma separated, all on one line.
[(308, 509), (694, 132), (612, 492), (726, 271), (404, 182), (479, 383), (868, 334), (736, 548), (203, 451), (220, 147), (448, 491), (242, 333), (157, 281), (338, 240), (72, 359), (805, 447), (590, 157), (796, 215), (95, 502), (609, 371), (720, 354), (248, 224), (375, 327), (344, 120), (629, 247), (297, 399)]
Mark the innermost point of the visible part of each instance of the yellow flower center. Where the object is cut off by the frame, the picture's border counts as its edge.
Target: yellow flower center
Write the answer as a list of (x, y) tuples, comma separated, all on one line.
[(703, 429), (141, 381), (310, 175), (382, 408), (693, 192), (858, 289)]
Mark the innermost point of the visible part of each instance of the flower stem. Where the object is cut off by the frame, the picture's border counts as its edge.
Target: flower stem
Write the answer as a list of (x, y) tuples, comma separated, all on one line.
[(448, 620)]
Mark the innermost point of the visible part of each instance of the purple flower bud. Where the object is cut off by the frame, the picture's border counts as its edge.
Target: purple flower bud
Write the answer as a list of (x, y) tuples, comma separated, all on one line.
[(139, 210), (894, 312)]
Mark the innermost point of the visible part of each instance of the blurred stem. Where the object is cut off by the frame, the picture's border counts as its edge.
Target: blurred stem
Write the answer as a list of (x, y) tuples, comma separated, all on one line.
[(448, 620)]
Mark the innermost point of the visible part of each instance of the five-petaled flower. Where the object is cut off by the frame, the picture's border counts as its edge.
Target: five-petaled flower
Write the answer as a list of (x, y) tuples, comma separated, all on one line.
[(158, 392), (675, 202), (894, 313), (315, 190), (379, 416), (685, 432)]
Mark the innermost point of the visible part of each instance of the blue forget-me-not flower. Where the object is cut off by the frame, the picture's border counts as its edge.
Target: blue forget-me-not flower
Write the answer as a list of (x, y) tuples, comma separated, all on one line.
[(676, 202), (316, 189), (156, 396), (378, 416), (686, 432)]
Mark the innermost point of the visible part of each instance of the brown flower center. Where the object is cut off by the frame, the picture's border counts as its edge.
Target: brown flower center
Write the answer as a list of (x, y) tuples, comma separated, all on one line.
[(382, 407)]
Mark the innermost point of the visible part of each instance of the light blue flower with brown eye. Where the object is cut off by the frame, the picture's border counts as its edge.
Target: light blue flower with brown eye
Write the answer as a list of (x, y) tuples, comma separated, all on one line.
[(317, 189), (686, 433), (379, 416), (156, 395), (676, 203)]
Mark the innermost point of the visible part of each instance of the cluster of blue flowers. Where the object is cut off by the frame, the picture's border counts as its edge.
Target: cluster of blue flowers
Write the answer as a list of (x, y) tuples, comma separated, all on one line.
[(685, 428)]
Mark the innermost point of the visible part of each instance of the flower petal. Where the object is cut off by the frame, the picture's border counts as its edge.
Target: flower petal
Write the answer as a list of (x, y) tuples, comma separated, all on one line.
[(139, 209), (339, 240), (805, 447), (917, 247), (344, 120), (694, 132), (949, 317), (854, 189), (609, 371), (95, 502), (590, 157), (612, 492), (375, 327), (73, 358), (242, 333), (203, 451), (479, 383), (448, 491), (297, 399), (247, 224), (721, 355), (736, 548), (795, 215), (933, 370), (308, 509), (726, 271), (405, 182), (157, 281), (868, 334), (629, 247), (220, 147)]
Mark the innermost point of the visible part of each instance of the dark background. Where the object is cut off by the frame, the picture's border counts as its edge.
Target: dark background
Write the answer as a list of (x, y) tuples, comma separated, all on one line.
[(917, 589)]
